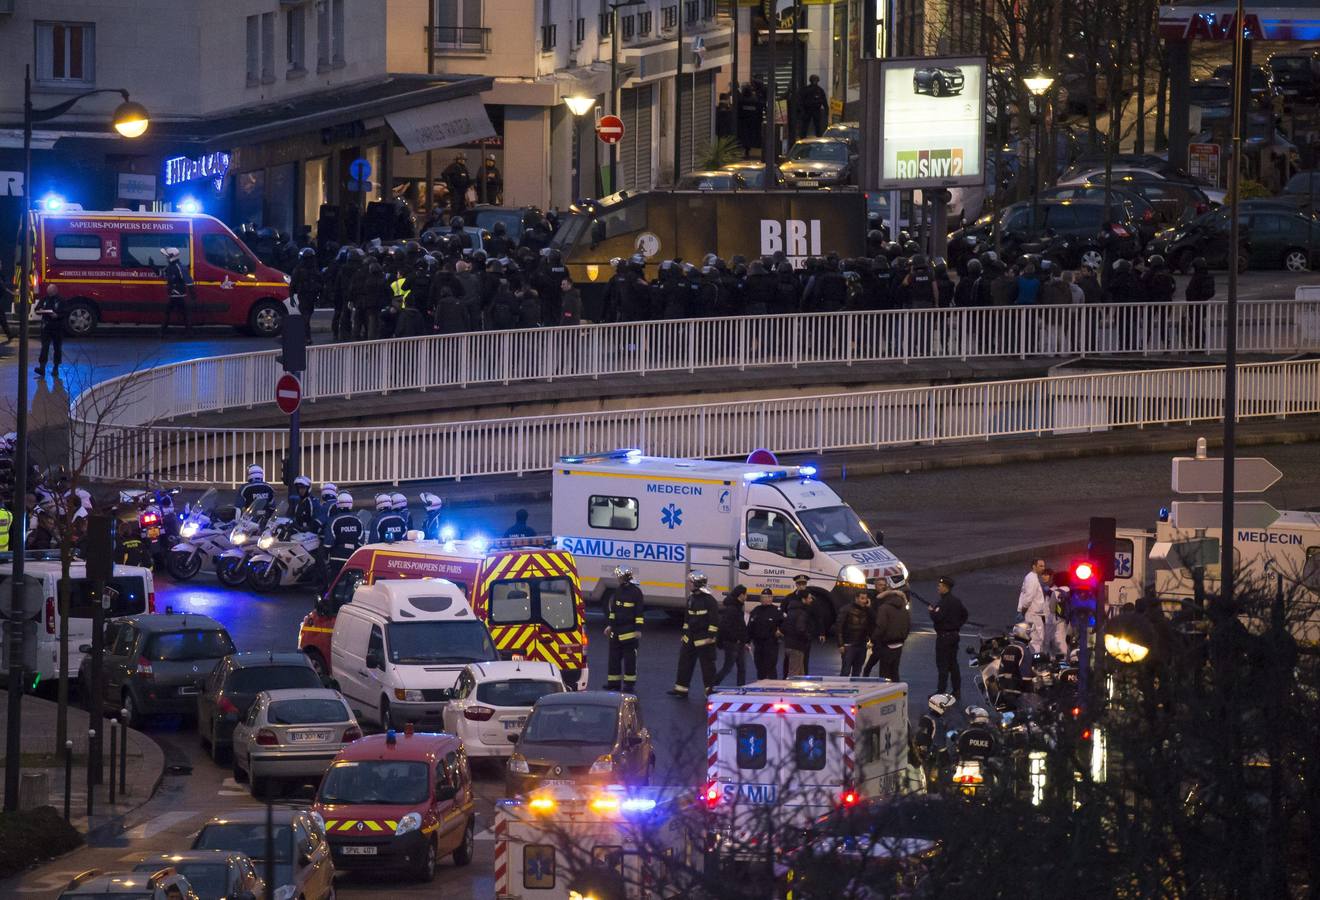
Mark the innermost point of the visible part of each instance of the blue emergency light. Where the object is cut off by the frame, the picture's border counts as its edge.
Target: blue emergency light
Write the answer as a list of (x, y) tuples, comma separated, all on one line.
[(631, 454), (190, 206), (52, 203), (803, 472)]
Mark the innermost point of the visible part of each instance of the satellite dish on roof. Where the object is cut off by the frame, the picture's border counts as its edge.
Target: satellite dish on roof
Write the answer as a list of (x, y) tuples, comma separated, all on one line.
[(762, 457)]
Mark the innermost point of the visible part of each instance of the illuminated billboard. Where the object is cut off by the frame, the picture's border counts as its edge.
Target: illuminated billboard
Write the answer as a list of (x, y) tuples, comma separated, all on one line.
[(932, 122)]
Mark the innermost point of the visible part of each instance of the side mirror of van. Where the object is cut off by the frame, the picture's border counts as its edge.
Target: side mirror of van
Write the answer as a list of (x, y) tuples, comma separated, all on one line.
[(879, 537), (374, 660)]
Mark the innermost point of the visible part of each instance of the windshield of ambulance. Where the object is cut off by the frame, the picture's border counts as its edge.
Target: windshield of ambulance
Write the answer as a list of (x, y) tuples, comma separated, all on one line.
[(398, 783), (835, 528), (547, 601), (418, 643)]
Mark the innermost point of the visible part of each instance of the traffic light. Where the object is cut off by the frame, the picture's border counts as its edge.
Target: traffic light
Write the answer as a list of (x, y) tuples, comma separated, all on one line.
[(293, 345), (1100, 547), (1084, 575)]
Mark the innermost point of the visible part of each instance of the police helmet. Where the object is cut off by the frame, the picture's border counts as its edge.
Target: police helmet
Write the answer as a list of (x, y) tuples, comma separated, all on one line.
[(637, 259), (1022, 631), (329, 491), (307, 253), (303, 481), (977, 715), (881, 263), (973, 267), (398, 502), (344, 501), (456, 222), (875, 235), (1122, 265), (697, 579), (499, 229), (256, 473), (941, 703), (1156, 261), (430, 239), (412, 248), (616, 261), (382, 501), (920, 261), (431, 502), (623, 573), (356, 253), (911, 248)]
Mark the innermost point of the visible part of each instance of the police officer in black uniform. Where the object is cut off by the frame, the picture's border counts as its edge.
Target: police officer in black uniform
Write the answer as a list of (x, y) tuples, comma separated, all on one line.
[(255, 489), (343, 535), (300, 507), (763, 627), (306, 284), (623, 627), (700, 627)]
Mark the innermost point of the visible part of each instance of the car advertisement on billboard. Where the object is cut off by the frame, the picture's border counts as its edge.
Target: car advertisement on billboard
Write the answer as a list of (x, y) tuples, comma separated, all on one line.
[(932, 122)]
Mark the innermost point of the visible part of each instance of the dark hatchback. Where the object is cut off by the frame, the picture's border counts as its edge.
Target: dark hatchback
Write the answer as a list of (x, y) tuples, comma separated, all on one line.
[(1270, 237), (582, 736), (235, 683), (156, 664), (1071, 233)]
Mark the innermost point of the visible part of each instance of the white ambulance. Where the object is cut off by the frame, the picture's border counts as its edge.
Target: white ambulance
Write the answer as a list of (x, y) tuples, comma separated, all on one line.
[(573, 841), (739, 523), (781, 752)]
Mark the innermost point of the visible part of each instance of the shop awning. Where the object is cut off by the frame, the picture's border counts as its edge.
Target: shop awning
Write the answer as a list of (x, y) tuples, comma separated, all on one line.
[(447, 123)]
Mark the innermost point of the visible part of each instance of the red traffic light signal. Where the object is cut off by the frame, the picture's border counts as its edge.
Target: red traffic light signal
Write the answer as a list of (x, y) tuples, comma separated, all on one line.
[(1085, 574)]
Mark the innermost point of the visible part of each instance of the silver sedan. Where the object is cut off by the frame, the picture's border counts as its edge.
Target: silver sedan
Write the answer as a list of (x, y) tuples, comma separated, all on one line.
[(291, 735)]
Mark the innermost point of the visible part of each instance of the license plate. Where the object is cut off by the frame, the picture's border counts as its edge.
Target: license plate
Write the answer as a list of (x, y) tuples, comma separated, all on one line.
[(308, 737), (515, 724), (358, 851), (809, 182), (559, 781)]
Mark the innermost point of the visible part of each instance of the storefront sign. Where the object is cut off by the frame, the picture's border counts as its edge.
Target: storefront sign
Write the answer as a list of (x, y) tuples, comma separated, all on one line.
[(136, 187), (187, 168), (444, 124), (1203, 163), (11, 184)]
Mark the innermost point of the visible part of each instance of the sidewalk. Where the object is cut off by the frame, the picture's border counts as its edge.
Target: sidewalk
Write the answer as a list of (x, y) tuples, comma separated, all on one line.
[(146, 764)]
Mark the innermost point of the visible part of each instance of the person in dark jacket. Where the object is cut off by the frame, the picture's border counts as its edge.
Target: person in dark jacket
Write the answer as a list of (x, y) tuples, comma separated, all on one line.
[(733, 637), (812, 106), (763, 627), (306, 284), (751, 116), (1089, 282), (700, 628), (799, 631), (179, 288), (53, 310), (570, 303), (948, 615), (964, 294), (759, 289), (451, 314), (1159, 287), (854, 630), (892, 624), (1200, 288)]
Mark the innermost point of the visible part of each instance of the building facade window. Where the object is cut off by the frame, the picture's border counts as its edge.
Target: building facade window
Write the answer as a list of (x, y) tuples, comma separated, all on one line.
[(295, 39), (644, 23), (267, 48), (459, 24), (322, 36), (253, 50), (690, 11), (65, 53), (337, 33), (707, 9), (669, 18), (628, 26), (549, 37), (605, 20)]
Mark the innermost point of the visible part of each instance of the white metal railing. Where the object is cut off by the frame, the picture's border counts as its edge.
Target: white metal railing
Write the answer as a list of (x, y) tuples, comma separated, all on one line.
[(504, 357), (964, 412)]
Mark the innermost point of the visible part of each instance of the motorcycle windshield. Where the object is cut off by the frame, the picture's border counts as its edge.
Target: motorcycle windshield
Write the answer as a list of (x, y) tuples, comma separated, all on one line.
[(207, 502), (256, 508)]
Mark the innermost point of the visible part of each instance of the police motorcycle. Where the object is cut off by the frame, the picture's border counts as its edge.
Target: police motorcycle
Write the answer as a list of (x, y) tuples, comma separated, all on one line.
[(1005, 667), (231, 566), (203, 538), (158, 523), (284, 557)]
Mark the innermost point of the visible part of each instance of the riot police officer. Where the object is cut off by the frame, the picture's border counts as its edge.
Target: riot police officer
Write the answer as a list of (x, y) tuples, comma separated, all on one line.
[(306, 284), (700, 627), (300, 507), (623, 627), (432, 526)]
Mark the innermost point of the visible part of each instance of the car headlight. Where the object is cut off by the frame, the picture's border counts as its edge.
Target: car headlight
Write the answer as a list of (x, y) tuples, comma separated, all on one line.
[(518, 765), (320, 820), (410, 822), (188, 530), (408, 695), (852, 575), (237, 537), (288, 280), (603, 766), (286, 892), (266, 542)]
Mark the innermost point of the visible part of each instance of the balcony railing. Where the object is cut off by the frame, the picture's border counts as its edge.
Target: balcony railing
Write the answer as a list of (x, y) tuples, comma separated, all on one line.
[(460, 39)]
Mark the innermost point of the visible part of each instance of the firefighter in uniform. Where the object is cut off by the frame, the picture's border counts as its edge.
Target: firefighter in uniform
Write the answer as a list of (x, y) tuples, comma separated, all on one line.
[(623, 627), (700, 626)]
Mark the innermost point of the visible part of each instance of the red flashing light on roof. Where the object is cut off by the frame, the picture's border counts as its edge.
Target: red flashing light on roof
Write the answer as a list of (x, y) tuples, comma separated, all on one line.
[(850, 798), (711, 796), (781, 707)]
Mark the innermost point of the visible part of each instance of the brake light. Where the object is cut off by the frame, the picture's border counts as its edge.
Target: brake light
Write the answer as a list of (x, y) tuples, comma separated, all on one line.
[(267, 738), (1148, 216), (226, 706), (351, 734), (50, 615), (151, 602), (143, 667), (150, 518), (478, 713), (781, 707), (711, 795)]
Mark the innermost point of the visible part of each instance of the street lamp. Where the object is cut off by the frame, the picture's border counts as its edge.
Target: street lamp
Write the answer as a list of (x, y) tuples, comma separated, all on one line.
[(130, 120), (579, 106), (614, 82), (1039, 85), (1129, 638)]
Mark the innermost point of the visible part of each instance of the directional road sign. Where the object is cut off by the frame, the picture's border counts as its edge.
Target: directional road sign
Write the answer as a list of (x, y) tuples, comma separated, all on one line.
[(609, 129), (1196, 514), (1251, 475), (288, 393)]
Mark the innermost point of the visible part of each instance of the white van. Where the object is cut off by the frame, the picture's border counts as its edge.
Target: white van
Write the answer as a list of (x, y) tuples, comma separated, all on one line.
[(131, 591), (738, 523), (399, 646)]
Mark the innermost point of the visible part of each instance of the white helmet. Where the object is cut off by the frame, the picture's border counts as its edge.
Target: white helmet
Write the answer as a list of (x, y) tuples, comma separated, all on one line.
[(697, 579), (382, 501), (344, 501), (256, 473), (329, 491), (398, 502), (977, 715), (623, 573), (1022, 631), (171, 252), (941, 703), (303, 481), (431, 502)]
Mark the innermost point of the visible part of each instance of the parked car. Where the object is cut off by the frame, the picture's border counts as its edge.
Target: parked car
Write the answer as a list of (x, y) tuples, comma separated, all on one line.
[(164, 884), (819, 161), (1092, 174), (235, 683), (1214, 96), (1302, 187), (155, 664), (1075, 232), (399, 801), (213, 874), (291, 735), (591, 736), (848, 131), (1172, 201), (1261, 84), (1271, 237), (493, 700), (752, 173), (938, 81), (1297, 75), (303, 867), (710, 180), (1147, 219)]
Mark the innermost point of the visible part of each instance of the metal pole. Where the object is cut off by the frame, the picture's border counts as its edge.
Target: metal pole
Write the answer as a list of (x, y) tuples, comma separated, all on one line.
[(769, 154), (91, 783), (123, 752), (614, 94), (678, 96), (795, 81), (430, 69), (14, 712), (111, 780), (269, 873), (68, 780), (1230, 323)]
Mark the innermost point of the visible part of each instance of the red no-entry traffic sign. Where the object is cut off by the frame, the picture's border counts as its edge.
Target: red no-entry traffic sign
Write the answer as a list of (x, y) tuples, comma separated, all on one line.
[(609, 129), (288, 393)]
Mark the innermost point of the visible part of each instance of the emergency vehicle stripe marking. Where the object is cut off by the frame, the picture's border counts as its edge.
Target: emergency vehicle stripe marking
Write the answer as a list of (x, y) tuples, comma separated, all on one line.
[(391, 824), (373, 826), (501, 855)]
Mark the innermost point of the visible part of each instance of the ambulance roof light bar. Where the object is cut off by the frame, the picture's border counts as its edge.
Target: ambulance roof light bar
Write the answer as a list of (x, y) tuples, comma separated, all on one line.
[(630, 454), (803, 472)]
